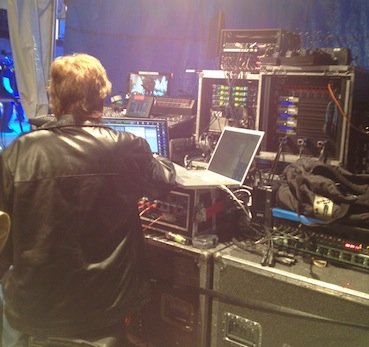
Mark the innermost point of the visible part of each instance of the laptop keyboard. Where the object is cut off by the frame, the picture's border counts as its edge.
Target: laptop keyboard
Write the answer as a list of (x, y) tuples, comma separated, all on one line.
[(206, 176)]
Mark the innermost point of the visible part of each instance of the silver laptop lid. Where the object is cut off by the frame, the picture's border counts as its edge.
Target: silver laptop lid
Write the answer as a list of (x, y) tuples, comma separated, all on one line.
[(235, 152)]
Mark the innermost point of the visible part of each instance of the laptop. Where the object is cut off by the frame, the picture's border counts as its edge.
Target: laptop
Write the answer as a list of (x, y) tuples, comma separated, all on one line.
[(229, 163), (139, 106)]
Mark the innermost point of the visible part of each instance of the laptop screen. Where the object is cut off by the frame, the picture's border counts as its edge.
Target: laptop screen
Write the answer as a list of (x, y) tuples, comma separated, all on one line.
[(155, 131), (234, 152)]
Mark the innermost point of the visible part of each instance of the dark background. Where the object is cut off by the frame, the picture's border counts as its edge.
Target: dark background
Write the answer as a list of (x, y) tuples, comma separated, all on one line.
[(175, 35)]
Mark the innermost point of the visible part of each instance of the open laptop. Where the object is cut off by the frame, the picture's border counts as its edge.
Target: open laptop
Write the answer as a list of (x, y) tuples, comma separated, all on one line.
[(229, 162)]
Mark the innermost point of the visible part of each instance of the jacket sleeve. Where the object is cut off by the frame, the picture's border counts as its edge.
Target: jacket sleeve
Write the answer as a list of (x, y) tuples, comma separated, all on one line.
[(4, 228), (6, 184), (159, 177), (5, 220)]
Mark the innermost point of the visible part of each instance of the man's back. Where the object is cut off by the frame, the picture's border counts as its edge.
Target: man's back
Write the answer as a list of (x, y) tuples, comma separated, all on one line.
[(78, 247)]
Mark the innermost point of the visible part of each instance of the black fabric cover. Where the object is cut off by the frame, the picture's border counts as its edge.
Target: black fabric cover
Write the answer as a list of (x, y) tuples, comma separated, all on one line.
[(310, 184)]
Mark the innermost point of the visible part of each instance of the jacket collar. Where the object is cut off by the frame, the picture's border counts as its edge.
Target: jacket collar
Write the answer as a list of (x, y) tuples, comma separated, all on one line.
[(69, 120)]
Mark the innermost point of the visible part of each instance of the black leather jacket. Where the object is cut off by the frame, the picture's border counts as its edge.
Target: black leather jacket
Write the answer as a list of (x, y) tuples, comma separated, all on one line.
[(76, 244)]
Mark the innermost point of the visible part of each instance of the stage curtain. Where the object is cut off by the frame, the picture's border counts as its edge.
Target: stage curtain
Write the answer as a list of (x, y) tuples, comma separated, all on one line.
[(31, 27), (177, 35)]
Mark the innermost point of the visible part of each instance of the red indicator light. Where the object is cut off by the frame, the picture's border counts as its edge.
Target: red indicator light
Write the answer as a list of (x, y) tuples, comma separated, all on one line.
[(353, 246)]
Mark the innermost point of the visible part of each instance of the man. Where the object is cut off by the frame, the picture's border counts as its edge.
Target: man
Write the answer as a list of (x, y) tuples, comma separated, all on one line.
[(71, 189)]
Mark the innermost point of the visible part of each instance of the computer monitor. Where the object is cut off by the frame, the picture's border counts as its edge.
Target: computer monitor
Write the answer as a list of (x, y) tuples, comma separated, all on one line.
[(139, 106), (149, 83), (155, 131)]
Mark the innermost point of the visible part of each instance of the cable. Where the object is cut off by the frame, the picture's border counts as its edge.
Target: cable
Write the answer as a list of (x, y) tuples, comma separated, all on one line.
[(344, 114), (273, 170), (152, 223), (264, 246), (147, 209), (301, 150), (268, 256), (323, 154), (257, 305), (238, 201)]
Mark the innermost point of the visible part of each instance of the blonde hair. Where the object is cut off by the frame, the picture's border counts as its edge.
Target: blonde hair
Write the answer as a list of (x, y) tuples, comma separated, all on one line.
[(78, 86)]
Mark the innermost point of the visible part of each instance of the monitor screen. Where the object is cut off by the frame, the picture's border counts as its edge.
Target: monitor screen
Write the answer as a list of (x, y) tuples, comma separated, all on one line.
[(155, 131), (149, 83), (139, 106)]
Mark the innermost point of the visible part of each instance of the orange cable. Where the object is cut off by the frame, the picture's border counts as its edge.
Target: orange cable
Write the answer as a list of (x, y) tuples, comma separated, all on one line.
[(343, 113)]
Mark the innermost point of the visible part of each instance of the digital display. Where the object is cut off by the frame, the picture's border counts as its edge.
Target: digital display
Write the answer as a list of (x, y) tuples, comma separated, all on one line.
[(155, 131), (149, 83), (139, 106)]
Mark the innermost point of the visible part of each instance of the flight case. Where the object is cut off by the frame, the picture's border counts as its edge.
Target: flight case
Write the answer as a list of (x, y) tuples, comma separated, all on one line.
[(299, 306), (178, 314), (317, 111)]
